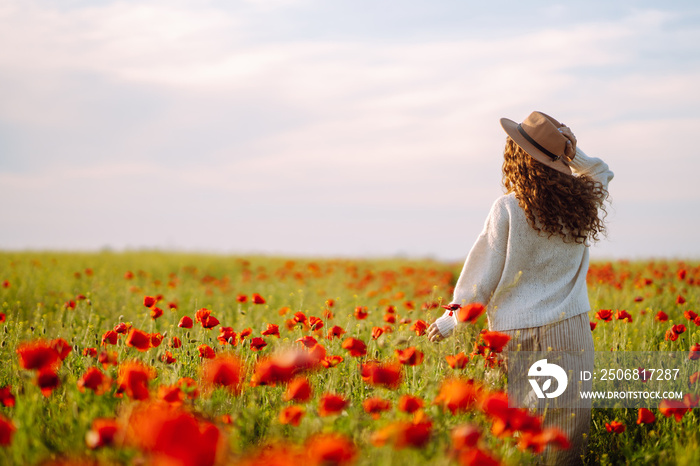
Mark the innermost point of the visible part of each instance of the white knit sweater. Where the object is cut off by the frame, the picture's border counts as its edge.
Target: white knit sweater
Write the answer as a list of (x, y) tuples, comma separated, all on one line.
[(526, 279)]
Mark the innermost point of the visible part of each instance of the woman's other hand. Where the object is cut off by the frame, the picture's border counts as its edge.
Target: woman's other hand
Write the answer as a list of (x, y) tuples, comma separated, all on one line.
[(434, 334)]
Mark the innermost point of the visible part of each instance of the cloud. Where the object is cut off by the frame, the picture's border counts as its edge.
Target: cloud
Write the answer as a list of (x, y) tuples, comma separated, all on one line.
[(129, 102)]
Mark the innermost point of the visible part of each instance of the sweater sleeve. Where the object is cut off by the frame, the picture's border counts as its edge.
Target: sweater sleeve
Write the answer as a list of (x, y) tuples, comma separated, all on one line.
[(483, 268), (591, 166)]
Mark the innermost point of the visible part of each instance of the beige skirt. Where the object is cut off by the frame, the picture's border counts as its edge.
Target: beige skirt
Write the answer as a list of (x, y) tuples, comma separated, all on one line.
[(573, 334)]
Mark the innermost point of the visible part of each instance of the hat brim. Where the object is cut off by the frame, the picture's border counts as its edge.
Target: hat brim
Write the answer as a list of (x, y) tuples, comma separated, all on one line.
[(511, 128)]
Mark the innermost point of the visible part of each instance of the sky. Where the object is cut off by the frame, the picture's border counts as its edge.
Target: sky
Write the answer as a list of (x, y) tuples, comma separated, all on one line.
[(334, 127)]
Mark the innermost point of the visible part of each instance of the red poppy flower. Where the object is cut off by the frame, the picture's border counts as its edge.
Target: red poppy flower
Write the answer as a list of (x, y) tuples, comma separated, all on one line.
[(465, 436), (674, 332), (6, 284), (623, 315), (3, 317), (185, 322), (335, 332), (458, 361), (138, 339), (458, 395), (156, 312), (257, 343), (61, 347), (690, 315), (133, 379), (37, 355), (171, 394), (209, 321), (691, 400), (375, 406), (272, 330), (593, 325), (172, 305), (419, 327), (410, 404), (201, 314), (149, 301), (122, 328), (357, 348), (175, 342), (386, 375), (315, 323), (673, 408), (110, 337), (224, 371), (680, 300), (168, 358), (246, 333), (90, 352), (299, 318), (47, 380), (693, 379), (645, 416), (644, 374), (241, 298), (257, 299), (495, 341), (298, 390), (206, 352), (70, 305), (361, 312), (661, 316), (6, 396), (410, 356), (128, 275), (507, 420), (307, 341), (470, 313), (227, 335), (173, 436), (413, 434), (323, 449), (95, 380), (615, 427), (107, 358), (604, 314), (102, 433), (331, 361), (317, 352), (156, 339), (7, 430), (694, 352), (331, 404), (538, 441), (292, 415)]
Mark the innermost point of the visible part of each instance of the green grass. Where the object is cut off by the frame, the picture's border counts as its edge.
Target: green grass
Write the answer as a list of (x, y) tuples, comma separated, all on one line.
[(40, 285)]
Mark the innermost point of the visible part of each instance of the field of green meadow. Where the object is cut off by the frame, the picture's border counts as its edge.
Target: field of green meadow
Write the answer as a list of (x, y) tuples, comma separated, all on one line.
[(176, 359)]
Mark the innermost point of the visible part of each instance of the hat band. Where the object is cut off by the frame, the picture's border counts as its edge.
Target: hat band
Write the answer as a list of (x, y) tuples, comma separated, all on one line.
[(552, 156)]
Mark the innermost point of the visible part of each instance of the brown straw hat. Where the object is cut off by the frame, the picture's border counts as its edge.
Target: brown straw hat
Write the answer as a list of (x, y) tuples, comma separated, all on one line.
[(539, 136)]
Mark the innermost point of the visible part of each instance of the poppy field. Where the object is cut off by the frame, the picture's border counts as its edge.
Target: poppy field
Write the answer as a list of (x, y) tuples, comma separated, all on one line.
[(176, 359)]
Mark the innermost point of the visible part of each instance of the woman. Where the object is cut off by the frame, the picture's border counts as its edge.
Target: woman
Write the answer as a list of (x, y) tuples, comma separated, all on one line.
[(530, 262)]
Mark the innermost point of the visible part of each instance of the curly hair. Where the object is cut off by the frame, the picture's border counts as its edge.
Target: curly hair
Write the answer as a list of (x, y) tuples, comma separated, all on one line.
[(554, 203)]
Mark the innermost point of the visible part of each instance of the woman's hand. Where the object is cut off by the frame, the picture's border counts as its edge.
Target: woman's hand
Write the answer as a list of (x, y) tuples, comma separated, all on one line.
[(434, 334), (570, 151)]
